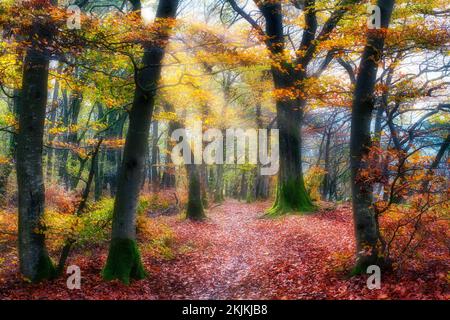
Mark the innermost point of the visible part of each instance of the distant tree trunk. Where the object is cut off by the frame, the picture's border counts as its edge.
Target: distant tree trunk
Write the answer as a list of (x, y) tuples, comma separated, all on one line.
[(51, 137), (124, 262), (326, 182), (75, 101), (99, 175), (81, 208), (260, 189), (155, 156), (260, 186), (204, 184), (35, 263), (168, 176), (365, 221), (378, 124), (99, 161), (64, 153), (195, 202), (219, 185), (244, 187), (6, 168), (116, 122)]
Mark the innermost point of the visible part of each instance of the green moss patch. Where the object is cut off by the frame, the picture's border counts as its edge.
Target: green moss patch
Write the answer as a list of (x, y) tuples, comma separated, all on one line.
[(291, 197), (124, 262)]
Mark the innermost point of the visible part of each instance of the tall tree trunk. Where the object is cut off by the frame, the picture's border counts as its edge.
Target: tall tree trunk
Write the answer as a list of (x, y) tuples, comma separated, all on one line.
[(365, 221), (124, 262), (35, 263), (291, 192)]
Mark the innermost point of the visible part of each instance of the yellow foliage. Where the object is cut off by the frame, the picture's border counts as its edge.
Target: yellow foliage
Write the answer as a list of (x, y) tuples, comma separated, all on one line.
[(313, 180)]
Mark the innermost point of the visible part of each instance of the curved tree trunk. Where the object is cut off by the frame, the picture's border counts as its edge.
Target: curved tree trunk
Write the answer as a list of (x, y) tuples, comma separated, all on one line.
[(365, 220)]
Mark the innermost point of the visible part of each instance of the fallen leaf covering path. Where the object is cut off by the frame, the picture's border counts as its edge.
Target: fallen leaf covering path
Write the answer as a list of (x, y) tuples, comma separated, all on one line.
[(236, 255)]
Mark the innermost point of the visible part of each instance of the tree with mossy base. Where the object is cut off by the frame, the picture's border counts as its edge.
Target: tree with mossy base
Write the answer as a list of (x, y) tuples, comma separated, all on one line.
[(124, 261), (291, 193), (291, 75), (291, 196), (35, 264)]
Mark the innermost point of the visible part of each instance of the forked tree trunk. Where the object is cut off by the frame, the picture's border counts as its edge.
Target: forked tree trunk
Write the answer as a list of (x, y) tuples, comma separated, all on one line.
[(291, 192), (365, 221), (124, 262)]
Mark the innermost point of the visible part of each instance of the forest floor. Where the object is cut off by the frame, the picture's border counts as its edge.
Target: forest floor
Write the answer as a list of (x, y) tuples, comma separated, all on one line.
[(236, 255)]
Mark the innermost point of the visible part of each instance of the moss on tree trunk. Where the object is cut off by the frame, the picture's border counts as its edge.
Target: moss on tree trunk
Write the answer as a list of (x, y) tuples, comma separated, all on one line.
[(45, 268), (124, 262), (291, 196)]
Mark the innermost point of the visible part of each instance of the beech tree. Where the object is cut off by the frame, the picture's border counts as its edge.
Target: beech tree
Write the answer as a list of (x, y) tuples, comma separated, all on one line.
[(124, 262), (289, 77), (35, 263), (366, 226)]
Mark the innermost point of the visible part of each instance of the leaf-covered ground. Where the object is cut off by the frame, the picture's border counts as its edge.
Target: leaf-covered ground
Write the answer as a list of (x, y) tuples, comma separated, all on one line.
[(237, 255)]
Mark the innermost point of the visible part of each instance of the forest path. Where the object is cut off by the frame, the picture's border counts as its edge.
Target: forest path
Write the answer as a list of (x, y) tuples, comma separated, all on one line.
[(235, 254)]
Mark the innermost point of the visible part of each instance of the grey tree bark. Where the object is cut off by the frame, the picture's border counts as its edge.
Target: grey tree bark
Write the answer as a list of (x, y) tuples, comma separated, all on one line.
[(34, 261), (124, 262), (366, 226)]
